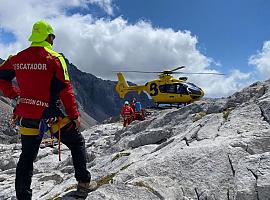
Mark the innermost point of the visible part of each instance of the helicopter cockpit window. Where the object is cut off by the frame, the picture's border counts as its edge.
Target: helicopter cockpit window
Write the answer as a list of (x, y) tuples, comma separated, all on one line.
[(173, 88), (181, 89), (169, 88), (162, 88), (192, 86)]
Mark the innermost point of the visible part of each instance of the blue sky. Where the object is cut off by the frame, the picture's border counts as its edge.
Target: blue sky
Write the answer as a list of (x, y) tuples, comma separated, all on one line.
[(101, 36), (6, 37), (228, 31)]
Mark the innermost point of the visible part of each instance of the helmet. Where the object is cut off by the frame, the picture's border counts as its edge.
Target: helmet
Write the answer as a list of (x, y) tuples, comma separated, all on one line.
[(40, 31), (126, 103)]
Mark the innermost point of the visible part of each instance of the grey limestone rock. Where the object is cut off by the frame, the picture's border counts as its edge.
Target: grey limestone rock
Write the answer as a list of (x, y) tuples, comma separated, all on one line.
[(214, 149)]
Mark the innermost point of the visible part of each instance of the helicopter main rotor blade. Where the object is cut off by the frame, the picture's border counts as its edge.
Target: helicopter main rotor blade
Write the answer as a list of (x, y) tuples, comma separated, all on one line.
[(160, 72), (209, 73), (177, 68), (139, 72)]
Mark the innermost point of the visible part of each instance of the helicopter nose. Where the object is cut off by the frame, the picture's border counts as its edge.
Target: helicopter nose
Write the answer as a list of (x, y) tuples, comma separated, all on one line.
[(202, 93), (196, 94)]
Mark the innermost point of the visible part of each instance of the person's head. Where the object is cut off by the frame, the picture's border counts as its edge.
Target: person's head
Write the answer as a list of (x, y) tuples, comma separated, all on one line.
[(50, 38), (42, 31), (134, 99), (126, 103)]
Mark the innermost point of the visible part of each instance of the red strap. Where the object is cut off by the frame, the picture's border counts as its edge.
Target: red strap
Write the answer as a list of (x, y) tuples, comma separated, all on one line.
[(59, 138)]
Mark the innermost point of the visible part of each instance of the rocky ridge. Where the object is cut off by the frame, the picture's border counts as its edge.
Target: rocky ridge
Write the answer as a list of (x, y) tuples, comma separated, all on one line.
[(214, 149)]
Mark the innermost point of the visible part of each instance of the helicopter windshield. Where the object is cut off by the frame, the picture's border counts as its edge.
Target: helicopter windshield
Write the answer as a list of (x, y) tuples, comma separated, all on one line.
[(194, 90), (192, 86)]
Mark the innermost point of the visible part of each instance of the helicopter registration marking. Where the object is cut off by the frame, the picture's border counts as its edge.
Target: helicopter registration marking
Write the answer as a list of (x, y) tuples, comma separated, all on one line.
[(153, 87)]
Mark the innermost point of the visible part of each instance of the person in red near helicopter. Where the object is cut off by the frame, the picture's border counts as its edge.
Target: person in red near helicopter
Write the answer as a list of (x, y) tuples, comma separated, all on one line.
[(138, 110), (133, 104), (127, 113)]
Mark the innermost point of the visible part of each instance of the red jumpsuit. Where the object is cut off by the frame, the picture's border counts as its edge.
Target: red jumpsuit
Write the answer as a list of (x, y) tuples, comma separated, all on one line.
[(127, 113)]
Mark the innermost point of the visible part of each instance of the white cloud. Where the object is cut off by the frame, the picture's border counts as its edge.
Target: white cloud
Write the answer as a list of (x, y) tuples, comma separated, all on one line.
[(223, 86), (262, 60), (99, 46)]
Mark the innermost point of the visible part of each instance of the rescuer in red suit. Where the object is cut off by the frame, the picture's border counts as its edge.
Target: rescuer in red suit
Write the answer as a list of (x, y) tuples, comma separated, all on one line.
[(127, 113), (43, 84)]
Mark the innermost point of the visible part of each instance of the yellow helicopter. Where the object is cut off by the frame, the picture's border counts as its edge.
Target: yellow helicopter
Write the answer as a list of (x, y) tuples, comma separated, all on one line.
[(166, 89)]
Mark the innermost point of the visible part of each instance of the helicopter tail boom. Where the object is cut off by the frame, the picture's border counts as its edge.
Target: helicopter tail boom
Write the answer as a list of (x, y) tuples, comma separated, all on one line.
[(122, 85)]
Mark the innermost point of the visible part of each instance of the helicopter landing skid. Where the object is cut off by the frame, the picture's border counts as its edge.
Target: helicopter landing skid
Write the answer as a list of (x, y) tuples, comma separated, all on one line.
[(162, 106)]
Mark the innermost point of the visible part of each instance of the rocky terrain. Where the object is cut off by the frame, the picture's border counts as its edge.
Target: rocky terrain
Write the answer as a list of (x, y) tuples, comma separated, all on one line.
[(215, 149), (7, 134)]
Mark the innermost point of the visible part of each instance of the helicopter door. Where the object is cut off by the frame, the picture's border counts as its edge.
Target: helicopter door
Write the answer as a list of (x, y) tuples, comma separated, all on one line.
[(171, 88), (168, 91), (181, 89), (168, 88)]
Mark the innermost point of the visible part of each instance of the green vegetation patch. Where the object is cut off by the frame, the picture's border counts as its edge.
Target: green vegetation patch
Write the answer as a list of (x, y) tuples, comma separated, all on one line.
[(119, 155), (106, 180), (141, 184), (198, 116), (125, 167), (102, 181), (152, 190), (226, 113)]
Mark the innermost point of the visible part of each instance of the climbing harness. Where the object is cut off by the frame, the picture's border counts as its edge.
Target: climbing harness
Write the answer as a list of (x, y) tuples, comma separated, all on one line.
[(52, 126)]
